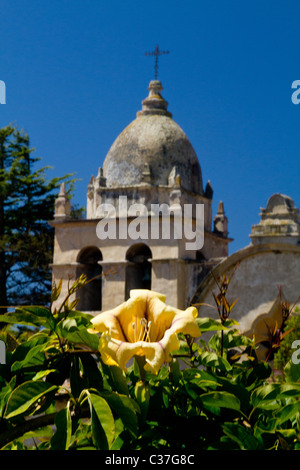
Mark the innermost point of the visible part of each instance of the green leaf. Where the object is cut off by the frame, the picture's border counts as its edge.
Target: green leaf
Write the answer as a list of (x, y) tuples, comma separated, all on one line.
[(288, 412), (117, 378), (221, 400), (42, 373), (33, 316), (30, 353), (81, 318), (258, 372), (236, 388), (288, 433), (91, 372), (62, 437), (26, 395), (175, 371), (81, 438), (103, 426), (77, 381), (267, 395), (69, 324), (80, 336), (34, 357), (264, 425), (5, 391), (243, 436), (231, 339), (212, 359), (142, 394), (45, 432), (292, 372), (201, 378), (118, 441), (125, 408), (209, 324), (230, 322), (38, 311)]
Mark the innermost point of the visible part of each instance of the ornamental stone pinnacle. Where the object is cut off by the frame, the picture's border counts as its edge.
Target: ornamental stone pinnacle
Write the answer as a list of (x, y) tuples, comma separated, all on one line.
[(154, 103), (280, 221), (62, 204), (221, 221)]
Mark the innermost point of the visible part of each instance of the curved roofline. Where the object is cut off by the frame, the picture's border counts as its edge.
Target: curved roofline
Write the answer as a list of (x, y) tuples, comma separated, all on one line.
[(233, 260), (156, 140)]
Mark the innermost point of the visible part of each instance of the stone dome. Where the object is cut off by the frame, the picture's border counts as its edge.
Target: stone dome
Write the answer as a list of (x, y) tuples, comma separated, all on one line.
[(152, 149)]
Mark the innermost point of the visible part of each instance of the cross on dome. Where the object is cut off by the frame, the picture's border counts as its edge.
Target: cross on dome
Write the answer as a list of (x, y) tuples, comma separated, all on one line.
[(156, 53)]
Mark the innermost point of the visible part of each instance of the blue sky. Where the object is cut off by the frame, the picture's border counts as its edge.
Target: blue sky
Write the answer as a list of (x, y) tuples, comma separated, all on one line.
[(76, 73)]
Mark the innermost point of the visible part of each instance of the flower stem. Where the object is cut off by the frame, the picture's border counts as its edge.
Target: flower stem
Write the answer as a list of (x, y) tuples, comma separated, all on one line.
[(141, 361), (222, 342)]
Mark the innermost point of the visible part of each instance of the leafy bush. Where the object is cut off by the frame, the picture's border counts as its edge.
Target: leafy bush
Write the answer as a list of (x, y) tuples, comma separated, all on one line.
[(57, 393), (284, 354)]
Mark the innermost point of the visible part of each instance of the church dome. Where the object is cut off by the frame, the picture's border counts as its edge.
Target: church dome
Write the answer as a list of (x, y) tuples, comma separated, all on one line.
[(152, 148)]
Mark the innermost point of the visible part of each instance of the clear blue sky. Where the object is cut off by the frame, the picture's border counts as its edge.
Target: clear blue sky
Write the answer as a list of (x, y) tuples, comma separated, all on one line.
[(76, 73)]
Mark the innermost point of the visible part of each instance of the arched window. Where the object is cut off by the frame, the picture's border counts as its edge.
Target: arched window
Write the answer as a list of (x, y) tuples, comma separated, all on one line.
[(90, 296), (138, 269)]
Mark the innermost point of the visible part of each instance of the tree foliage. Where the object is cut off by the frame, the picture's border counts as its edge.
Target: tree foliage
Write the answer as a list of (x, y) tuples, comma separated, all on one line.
[(222, 398), (285, 351), (26, 239)]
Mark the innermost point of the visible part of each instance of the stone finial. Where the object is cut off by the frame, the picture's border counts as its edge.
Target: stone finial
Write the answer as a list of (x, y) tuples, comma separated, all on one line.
[(90, 188), (174, 177), (221, 221), (154, 103), (100, 180), (62, 204), (221, 208), (209, 190), (146, 174), (90, 198), (279, 222)]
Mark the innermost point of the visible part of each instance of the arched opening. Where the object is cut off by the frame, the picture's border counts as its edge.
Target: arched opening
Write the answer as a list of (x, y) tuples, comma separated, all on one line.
[(138, 269), (90, 295)]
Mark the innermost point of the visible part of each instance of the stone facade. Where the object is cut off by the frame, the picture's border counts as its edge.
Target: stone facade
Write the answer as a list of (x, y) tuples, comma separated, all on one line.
[(270, 264), (279, 221), (151, 162)]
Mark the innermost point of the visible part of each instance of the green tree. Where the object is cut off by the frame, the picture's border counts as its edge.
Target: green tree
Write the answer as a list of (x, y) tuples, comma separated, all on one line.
[(284, 353), (26, 239)]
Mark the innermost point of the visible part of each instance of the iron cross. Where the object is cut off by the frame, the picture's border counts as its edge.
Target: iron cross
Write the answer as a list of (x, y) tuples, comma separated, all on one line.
[(156, 53)]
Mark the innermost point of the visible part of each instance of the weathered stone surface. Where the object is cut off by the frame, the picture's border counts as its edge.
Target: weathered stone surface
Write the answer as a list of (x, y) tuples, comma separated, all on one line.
[(262, 270), (155, 140), (280, 219), (270, 263), (152, 162), (159, 142), (62, 204)]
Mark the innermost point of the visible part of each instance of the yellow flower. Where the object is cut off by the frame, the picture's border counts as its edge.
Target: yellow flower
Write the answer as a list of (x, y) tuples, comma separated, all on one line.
[(143, 326)]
